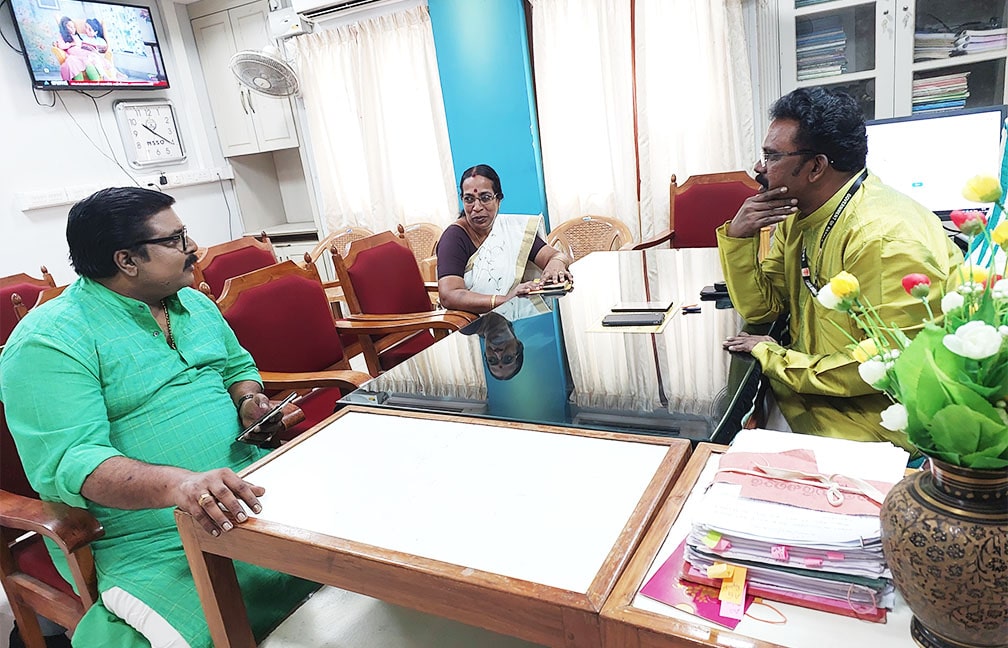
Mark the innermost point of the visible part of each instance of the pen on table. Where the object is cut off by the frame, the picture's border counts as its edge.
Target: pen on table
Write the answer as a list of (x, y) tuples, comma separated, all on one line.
[(691, 308)]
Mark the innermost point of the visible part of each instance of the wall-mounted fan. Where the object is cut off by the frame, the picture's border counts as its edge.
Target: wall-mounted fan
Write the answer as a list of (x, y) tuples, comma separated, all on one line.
[(265, 71)]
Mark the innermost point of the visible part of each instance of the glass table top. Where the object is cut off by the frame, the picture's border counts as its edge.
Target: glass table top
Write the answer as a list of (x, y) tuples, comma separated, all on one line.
[(557, 364)]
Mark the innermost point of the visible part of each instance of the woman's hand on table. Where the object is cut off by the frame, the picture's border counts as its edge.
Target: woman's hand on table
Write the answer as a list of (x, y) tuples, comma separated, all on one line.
[(556, 271)]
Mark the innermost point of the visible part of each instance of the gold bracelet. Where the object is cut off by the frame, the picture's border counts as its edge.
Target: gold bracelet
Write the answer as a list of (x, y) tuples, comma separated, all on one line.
[(493, 301)]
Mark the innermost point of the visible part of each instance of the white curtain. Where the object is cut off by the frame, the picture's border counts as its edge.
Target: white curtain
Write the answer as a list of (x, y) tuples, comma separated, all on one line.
[(379, 138), (693, 102), (584, 98), (694, 97)]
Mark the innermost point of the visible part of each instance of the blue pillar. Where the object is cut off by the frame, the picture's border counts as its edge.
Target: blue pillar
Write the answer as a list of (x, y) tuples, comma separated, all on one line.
[(486, 79)]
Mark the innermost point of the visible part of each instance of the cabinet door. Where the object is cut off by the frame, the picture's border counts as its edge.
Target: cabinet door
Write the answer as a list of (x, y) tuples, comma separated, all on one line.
[(215, 42), (272, 117), (936, 70), (847, 44)]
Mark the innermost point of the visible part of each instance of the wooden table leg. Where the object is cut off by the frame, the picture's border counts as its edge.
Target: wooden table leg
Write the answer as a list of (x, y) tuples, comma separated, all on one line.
[(218, 589)]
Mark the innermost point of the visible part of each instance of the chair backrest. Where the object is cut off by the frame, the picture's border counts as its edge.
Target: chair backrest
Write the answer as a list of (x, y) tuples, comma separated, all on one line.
[(579, 236), (341, 239), (20, 309), (280, 314), (422, 238), (27, 288), (703, 203), (379, 275), (218, 263)]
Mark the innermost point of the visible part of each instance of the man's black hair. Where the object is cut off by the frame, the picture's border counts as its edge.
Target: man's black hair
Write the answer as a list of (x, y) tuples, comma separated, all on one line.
[(829, 122)]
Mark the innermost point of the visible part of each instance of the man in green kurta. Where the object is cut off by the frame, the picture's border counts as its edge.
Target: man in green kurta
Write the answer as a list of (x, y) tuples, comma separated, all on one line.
[(831, 214), (124, 396)]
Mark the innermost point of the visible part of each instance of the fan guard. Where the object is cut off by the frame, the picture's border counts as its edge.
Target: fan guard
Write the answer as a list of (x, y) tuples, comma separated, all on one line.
[(265, 73)]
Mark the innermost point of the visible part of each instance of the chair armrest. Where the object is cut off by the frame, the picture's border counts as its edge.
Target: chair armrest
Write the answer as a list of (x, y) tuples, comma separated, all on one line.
[(656, 240), (342, 378), (68, 526), (403, 323)]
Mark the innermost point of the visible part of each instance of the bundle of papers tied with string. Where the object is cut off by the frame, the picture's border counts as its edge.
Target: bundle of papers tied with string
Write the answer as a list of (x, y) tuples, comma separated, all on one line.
[(800, 515)]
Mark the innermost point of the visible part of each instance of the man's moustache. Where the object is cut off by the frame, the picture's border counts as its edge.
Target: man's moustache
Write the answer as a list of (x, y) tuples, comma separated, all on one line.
[(191, 261), (762, 179)]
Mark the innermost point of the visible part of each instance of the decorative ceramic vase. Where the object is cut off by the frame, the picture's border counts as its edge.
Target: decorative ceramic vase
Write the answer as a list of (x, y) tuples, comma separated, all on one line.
[(945, 537)]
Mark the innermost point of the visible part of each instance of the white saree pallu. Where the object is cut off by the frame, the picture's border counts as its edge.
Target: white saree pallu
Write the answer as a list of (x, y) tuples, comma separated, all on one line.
[(502, 262)]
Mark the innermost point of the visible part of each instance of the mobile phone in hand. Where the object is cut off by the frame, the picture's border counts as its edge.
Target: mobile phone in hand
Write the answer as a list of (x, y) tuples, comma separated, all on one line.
[(252, 434)]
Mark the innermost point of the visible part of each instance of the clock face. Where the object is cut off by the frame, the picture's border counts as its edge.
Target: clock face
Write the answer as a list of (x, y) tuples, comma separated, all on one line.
[(150, 133)]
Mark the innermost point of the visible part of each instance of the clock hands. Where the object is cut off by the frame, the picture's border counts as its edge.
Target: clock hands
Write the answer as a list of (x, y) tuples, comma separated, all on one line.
[(157, 133)]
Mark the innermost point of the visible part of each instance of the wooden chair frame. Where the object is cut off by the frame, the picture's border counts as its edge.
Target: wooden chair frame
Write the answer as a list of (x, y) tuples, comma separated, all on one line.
[(562, 236), (383, 337), (422, 239), (205, 256), (20, 310), (21, 279), (668, 236)]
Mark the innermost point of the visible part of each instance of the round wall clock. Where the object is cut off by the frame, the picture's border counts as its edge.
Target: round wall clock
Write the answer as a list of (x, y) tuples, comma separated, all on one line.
[(149, 132)]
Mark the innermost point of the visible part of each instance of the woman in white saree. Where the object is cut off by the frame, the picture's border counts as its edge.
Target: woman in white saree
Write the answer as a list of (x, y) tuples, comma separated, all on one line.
[(485, 261)]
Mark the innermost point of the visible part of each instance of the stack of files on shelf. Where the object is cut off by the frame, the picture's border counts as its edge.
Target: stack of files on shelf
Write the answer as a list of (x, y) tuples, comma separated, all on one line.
[(933, 45), (821, 48), (972, 41), (768, 516), (946, 92)]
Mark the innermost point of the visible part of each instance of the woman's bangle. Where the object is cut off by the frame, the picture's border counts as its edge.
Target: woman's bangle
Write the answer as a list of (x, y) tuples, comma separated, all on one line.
[(493, 301)]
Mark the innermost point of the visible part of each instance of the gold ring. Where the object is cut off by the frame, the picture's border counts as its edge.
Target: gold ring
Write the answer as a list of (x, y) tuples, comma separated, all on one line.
[(204, 499)]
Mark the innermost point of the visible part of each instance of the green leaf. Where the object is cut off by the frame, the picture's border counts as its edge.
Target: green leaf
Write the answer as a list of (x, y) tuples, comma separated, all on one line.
[(958, 429)]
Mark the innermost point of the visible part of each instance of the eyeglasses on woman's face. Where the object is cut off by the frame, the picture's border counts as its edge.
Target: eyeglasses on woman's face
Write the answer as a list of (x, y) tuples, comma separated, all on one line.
[(485, 198)]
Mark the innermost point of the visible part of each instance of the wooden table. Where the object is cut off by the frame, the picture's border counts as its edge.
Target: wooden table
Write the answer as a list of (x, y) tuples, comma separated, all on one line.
[(631, 620), (520, 529)]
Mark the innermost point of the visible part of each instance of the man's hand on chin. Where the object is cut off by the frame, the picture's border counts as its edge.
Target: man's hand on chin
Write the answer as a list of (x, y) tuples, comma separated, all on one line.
[(744, 342), (765, 208)]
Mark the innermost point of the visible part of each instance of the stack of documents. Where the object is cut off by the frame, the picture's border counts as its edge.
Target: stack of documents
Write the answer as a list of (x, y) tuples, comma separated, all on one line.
[(933, 45), (821, 48), (971, 41), (946, 92), (800, 523)]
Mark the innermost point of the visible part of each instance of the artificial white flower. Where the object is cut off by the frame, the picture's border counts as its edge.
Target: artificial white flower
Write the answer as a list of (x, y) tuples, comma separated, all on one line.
[(976, 339), (895, 418), (828, 298), (952, 301), (1000, 289), (1003, 330), (872, 371)]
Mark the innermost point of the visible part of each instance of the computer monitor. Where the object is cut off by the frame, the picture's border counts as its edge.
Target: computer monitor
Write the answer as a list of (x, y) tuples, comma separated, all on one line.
[(930, 157)]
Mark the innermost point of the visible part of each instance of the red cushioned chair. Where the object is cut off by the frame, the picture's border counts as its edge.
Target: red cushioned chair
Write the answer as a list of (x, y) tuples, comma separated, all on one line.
[(699, 206), (380, 277), (29, 578), (218, 263), (27, 288), (20, 309)]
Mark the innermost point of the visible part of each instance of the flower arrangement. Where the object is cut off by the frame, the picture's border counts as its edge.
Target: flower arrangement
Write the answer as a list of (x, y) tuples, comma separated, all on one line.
[(949, 385)]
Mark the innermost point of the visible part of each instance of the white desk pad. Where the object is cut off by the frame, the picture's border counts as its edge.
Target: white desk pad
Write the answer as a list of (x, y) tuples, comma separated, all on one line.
[(804, 627), (538, 506)]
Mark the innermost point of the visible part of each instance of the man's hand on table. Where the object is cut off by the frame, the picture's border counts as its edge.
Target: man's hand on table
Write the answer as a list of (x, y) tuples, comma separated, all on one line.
[(744, 342), (215, 499)]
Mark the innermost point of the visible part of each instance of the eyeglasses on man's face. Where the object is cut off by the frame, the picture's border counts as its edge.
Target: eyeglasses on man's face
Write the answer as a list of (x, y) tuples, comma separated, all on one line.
[(773, 156), (485, 198), (179, 240)]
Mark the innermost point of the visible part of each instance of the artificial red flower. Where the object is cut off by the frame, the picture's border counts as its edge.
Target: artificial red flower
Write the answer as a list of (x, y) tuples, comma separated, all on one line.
[(969, 221), (918, 285)]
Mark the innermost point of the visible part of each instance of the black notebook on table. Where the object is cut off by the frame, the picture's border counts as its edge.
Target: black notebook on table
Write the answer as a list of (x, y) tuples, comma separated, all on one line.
[(633, 319)]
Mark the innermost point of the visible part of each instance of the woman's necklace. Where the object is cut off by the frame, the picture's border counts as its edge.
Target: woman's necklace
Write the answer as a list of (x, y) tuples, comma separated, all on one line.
[(167, 319)]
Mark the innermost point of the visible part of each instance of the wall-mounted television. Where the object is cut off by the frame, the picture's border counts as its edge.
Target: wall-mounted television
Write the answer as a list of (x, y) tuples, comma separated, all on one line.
[(73, 45), (930, 157)]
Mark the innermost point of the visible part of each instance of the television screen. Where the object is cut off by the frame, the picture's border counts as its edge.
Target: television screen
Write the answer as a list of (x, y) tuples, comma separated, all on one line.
[(80, 45), (930, 157)]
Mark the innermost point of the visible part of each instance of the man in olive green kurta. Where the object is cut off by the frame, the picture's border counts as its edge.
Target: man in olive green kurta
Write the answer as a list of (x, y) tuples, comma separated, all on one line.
[(124, 396), (811, 164)]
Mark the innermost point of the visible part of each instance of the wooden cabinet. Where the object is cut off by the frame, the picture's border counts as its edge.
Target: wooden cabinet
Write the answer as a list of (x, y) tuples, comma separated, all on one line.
[(871, 48), (247, 122)]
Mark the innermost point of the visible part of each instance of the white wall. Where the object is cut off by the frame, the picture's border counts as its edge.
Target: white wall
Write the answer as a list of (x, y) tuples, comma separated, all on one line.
[(47, 146)]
